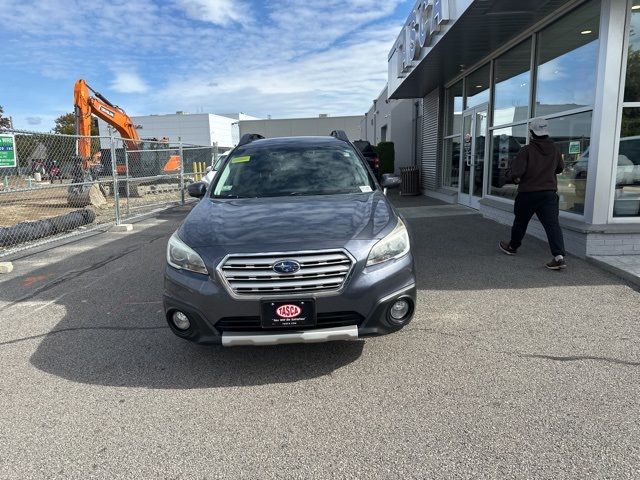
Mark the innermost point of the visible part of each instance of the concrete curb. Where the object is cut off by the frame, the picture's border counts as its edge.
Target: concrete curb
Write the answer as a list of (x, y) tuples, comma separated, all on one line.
[(619, 272), (123, 227), (6, 267)]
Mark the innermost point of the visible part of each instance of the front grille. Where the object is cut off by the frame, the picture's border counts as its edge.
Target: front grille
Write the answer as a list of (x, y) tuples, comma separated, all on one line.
[(324, 320), (254, 274)]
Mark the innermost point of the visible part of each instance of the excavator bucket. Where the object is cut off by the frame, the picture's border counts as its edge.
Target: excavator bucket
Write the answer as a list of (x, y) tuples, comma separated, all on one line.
[(172, 165)]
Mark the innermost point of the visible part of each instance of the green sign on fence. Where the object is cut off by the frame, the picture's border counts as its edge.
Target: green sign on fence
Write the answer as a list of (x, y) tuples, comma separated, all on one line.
[(8, 154)]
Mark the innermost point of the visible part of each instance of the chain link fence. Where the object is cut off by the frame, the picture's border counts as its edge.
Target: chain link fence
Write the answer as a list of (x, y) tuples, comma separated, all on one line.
[(48, 192)]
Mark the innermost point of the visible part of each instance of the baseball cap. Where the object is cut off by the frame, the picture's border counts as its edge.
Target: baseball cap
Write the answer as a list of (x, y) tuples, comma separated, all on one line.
[(539, 126)]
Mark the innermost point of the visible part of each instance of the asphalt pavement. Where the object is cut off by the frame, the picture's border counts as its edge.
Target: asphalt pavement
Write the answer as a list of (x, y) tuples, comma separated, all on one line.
[(507, 371)]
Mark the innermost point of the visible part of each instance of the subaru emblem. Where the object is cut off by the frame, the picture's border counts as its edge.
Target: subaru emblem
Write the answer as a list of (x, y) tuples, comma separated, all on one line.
[(286, 267)]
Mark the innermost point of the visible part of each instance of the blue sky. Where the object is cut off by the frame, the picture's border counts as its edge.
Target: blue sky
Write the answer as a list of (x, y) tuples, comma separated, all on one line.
[(285, 58)]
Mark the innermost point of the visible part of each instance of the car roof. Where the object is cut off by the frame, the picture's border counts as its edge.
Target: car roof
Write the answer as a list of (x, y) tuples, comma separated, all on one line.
[(284, 141)]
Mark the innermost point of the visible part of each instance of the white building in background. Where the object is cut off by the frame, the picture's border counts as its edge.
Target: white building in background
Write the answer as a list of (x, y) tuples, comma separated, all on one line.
[(190, 128), (294, 127), (396, 121)]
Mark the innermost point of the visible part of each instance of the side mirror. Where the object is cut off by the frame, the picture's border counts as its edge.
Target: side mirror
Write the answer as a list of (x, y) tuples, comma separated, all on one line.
[(197, 189), (209, 168), (390, 181)]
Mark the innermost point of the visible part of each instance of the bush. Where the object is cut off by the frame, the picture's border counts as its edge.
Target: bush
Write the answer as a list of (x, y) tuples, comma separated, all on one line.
[(387, 156)]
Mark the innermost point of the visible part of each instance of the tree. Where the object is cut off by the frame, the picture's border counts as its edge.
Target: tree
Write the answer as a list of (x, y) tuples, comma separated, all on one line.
[(4, 121), (66, 125)]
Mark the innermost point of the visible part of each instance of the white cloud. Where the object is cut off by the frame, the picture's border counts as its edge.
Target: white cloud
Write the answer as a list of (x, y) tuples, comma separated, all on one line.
[(282, 57), (128, 82), (218, 12), (338, 81)]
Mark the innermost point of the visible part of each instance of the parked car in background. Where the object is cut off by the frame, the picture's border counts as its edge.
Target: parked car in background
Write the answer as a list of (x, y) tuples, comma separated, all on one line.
[(213, 168), (370, 154), (294, 241), (628, 165)]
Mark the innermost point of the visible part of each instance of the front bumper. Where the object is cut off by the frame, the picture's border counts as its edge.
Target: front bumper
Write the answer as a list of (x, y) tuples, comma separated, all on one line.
[(359, 309)]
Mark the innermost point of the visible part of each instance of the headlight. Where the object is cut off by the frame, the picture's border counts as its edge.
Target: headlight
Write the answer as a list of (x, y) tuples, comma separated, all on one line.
[(394, 245), (181, 256)]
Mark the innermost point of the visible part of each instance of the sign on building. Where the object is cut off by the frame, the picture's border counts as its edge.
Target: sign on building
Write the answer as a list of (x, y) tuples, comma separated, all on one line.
[(8, 154), (574, 148)]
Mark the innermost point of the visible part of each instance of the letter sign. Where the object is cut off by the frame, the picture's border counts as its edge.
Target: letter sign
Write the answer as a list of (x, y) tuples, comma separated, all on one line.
[(424, 22), (432, 15), (440, 14)]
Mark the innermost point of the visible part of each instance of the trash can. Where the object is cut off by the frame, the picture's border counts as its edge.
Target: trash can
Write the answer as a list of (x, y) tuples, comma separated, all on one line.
[(410, 177)]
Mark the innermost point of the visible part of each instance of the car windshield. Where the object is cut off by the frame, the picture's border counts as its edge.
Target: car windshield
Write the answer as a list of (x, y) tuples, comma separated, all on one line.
[(219, 162), (283, 170)]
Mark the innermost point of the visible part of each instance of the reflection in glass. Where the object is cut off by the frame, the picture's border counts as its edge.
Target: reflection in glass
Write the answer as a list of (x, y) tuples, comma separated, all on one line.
[(512, 83), (451, 161), (632, 83), (466, 153), (478, 87), (572, 135), (627, 194), (567, 61), (454, 109), (505, 145), (478, 154)]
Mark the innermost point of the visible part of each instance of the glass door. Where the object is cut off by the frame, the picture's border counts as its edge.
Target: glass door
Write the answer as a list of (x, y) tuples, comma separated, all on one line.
[(472, 160)]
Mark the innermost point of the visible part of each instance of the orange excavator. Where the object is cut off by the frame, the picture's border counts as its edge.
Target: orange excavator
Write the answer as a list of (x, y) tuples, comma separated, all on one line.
[(86, 106)]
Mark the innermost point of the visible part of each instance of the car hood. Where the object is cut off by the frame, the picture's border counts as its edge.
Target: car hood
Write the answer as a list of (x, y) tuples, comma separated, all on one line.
[(280, 220)]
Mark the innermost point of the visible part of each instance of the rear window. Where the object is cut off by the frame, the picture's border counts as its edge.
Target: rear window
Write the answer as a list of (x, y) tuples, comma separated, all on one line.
[(292, 170), (363, 146)]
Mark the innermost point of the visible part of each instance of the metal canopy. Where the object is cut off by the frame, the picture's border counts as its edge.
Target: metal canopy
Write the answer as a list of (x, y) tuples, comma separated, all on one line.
[(484, 27)]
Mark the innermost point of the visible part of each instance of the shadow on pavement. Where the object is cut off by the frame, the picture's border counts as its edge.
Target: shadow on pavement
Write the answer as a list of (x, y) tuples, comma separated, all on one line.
[(113, 331), (157, 359)]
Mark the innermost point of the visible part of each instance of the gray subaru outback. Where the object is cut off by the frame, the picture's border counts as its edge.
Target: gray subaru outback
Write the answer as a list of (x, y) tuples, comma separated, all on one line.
[(293, 242)]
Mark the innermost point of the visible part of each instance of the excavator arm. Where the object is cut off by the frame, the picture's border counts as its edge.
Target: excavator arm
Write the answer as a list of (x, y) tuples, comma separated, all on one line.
[(85, 106)]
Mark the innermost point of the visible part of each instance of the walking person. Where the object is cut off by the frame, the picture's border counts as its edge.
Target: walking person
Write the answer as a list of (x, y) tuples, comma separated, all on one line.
[(534, 170)]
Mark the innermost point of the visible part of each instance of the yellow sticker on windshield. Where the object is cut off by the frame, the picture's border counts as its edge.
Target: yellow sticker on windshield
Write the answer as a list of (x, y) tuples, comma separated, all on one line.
[(241, 159)]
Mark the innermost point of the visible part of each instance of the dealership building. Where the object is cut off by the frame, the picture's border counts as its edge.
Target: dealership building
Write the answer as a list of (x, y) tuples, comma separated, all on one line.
[(482, 69)]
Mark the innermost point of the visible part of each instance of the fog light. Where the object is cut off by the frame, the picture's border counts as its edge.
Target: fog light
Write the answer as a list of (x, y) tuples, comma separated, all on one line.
[(180, 320), (399, 310)]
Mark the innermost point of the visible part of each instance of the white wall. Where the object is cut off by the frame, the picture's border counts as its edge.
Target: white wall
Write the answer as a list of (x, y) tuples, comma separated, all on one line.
[(196, 129), (403, 132), (293, 127), (192, 129), (398, 116)]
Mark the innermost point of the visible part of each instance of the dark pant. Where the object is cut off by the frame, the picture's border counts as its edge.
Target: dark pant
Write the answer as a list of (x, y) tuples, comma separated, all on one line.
[(545, 206)]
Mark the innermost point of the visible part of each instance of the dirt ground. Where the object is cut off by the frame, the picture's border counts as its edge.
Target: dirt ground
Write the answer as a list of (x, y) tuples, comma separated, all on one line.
[(51, 201)]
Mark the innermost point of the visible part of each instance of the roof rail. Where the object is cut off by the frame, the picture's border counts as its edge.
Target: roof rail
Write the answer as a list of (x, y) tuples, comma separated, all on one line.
[(340, 135), (249, 137)]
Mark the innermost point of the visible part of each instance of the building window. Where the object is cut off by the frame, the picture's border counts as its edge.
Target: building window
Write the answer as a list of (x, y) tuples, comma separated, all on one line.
[(632, 82), (567, 61), (572, 135), (452, 161), (512, 80), (478, 87), (505, 144), (626, 200), (454, 109), (453, 129)]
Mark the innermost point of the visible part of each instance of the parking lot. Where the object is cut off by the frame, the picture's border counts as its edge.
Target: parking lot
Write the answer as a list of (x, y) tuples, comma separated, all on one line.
[(507, 371)]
